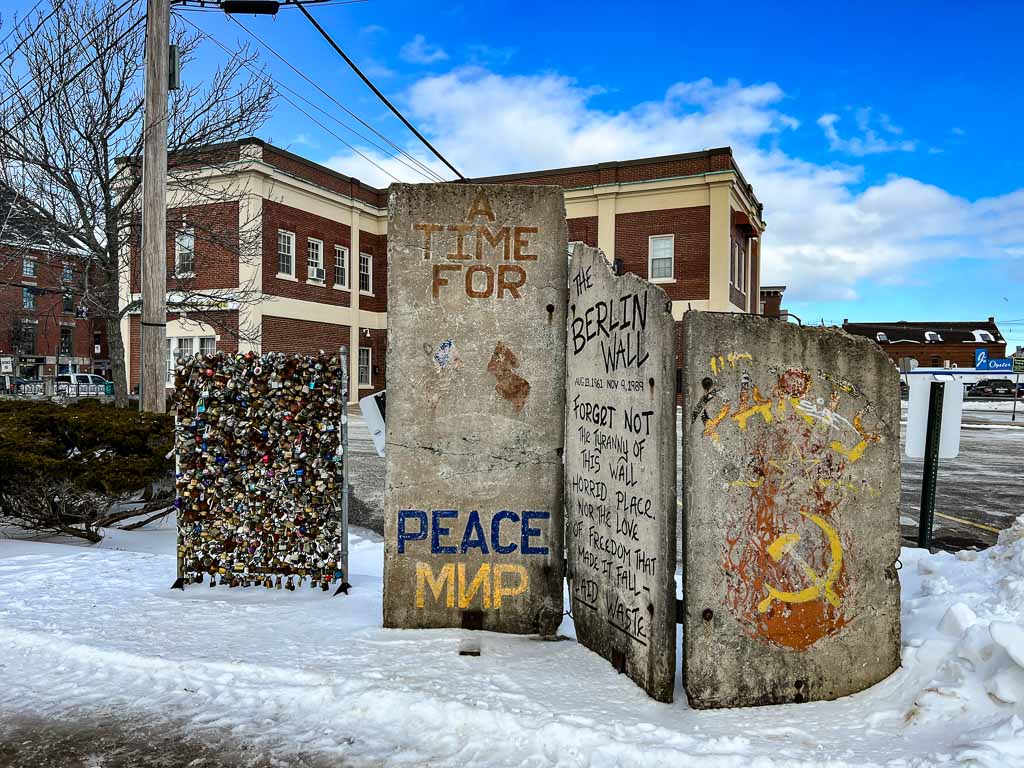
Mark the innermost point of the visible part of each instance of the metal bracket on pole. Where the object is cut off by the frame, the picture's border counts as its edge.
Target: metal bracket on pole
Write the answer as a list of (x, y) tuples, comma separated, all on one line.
[(931, 464)]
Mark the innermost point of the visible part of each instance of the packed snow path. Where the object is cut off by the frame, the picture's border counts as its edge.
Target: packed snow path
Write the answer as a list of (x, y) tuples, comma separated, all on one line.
[(95, 632)]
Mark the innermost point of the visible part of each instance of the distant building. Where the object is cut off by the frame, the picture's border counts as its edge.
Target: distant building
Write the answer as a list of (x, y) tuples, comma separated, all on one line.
[(42, 323), (935, 344)]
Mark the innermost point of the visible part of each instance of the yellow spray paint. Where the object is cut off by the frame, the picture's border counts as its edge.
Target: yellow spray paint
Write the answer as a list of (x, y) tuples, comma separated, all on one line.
[(820, 585)]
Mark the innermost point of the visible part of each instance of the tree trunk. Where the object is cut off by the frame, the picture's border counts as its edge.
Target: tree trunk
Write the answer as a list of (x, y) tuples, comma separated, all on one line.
[(117, 366)]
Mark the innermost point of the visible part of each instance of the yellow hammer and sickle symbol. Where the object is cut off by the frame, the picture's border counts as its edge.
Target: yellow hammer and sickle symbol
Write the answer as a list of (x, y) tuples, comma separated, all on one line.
[(783, 546)]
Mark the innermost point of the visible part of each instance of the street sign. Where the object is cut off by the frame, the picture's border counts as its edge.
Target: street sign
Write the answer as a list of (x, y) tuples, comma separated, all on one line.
[(1018, 364), (917, 418), (982, 362)]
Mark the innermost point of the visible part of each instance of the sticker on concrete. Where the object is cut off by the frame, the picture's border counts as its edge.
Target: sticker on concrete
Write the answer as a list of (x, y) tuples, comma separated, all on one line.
[(620, 470), (476, 396), (791, 482)]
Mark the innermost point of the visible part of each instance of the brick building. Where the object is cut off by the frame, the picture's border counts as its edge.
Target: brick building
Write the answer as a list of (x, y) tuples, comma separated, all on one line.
[(938, 344), (42, 274), (687, 222)]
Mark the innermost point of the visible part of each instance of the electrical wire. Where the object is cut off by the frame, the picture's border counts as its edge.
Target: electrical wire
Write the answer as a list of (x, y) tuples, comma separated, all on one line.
[(82, 43), (267, 79), (18, 24), (377, 92), (427, 171), (53, 10)]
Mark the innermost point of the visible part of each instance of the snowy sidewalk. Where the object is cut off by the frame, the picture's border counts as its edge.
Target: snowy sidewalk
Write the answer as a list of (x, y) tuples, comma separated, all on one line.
[(95, 632)]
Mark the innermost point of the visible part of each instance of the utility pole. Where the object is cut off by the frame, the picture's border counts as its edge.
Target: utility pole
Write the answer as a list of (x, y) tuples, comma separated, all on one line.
[(153, 330)]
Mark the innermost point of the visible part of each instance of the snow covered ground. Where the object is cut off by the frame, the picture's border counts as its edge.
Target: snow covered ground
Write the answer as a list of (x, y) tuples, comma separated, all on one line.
[(95, 632)]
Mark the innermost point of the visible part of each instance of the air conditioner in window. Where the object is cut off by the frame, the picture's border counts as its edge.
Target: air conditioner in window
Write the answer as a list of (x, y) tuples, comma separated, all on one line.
[(96, 349), (319, 274)]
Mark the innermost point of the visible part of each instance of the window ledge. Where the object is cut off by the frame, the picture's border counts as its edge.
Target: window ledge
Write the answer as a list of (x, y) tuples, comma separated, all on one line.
[(661, 280), (184, 275), (316, 282), (340, 287), (283, 276), (366, 293)]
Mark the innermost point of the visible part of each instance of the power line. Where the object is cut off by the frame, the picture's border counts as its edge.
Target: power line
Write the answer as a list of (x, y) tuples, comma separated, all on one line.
[(82, 43), (26, 38), (296, 106), (427, 170), (376, 91), (18, 24)]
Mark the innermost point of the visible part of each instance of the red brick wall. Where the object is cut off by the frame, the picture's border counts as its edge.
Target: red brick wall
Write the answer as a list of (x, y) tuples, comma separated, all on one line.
[(284, 334), (323, 177), (377, 247), (612, 173), (377, 342), (224, 323), (216, 247), (48, 314), (692, 263), (304, 225), (583, 229), (960, 353)]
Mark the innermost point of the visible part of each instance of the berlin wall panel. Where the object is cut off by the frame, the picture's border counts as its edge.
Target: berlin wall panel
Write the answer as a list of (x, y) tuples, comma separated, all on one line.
[(791, 479), (476, 395), (620, 470)]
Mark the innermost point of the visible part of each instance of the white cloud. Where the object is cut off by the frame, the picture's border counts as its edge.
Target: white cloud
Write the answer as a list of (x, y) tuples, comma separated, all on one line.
[(419, 51), (869, 142), (826, 231)]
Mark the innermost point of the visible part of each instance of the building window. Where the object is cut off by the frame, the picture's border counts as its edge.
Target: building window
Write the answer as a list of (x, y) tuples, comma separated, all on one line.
[(365, 274), (340, 267), (365, 378), (28, 266), (68, 303), (185, 252), (68, 275), (285, 253), (27, 339), (97, 342), (882, 337), (738, 268), (207, 345), (66, 340), (28, 298), (177, 349), (932, 336), (315, 260), (936, 361), (659, 257)]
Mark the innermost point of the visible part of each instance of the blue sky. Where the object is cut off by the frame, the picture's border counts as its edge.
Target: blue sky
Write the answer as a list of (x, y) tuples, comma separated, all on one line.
[(883, 139)]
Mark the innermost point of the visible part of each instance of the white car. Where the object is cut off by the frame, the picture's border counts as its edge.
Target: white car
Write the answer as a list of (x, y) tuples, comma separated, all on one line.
[(73, 384)]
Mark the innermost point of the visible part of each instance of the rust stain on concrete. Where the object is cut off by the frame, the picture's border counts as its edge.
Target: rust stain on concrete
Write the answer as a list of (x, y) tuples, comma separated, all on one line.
[(510, 385)]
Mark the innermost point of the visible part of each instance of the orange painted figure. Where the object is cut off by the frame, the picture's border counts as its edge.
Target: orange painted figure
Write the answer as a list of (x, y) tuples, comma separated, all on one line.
[(784, 554)]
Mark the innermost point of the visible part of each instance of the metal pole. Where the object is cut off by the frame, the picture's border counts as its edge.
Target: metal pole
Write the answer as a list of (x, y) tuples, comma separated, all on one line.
[(343, 364), (1016, 389), (931, 464), (153, 330)]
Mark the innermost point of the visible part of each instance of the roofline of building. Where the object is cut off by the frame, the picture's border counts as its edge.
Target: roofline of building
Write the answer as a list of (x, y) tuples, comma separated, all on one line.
[(927, 324), (253, 140), (604, 165)]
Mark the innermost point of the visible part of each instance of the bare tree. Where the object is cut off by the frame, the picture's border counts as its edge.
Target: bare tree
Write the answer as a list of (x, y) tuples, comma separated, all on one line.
[(71, 128)]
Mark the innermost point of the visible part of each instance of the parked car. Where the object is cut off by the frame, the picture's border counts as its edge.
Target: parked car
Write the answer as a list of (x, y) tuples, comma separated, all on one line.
[(80, 384), (993, 388)]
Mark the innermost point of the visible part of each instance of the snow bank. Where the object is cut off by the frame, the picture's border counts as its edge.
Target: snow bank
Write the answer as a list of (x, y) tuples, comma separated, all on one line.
[(87, 630)]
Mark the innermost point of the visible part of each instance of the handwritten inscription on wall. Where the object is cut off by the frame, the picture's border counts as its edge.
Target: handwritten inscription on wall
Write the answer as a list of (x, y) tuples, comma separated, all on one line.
[(617, 474)]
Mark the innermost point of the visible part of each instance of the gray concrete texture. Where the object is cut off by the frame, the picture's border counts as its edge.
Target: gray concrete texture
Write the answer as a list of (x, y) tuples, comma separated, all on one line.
[(620, 470), (476, 369), (791, 486)]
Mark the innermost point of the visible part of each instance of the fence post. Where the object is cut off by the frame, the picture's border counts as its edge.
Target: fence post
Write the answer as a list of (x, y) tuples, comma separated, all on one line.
[(343, 364)]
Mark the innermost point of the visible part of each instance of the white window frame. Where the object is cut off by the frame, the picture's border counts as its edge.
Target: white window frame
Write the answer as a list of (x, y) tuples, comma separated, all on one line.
[(28, 266), (341, 256), (195, 346), (932, 336), (28, 297), (317, 246), (67, 274), (671, 278), (185, 235), (71, 341), (290, 253), (368, 380), (369, 274)]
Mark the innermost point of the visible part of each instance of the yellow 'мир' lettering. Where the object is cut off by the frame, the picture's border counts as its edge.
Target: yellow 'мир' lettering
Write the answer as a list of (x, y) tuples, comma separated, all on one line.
[(494, 583)]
